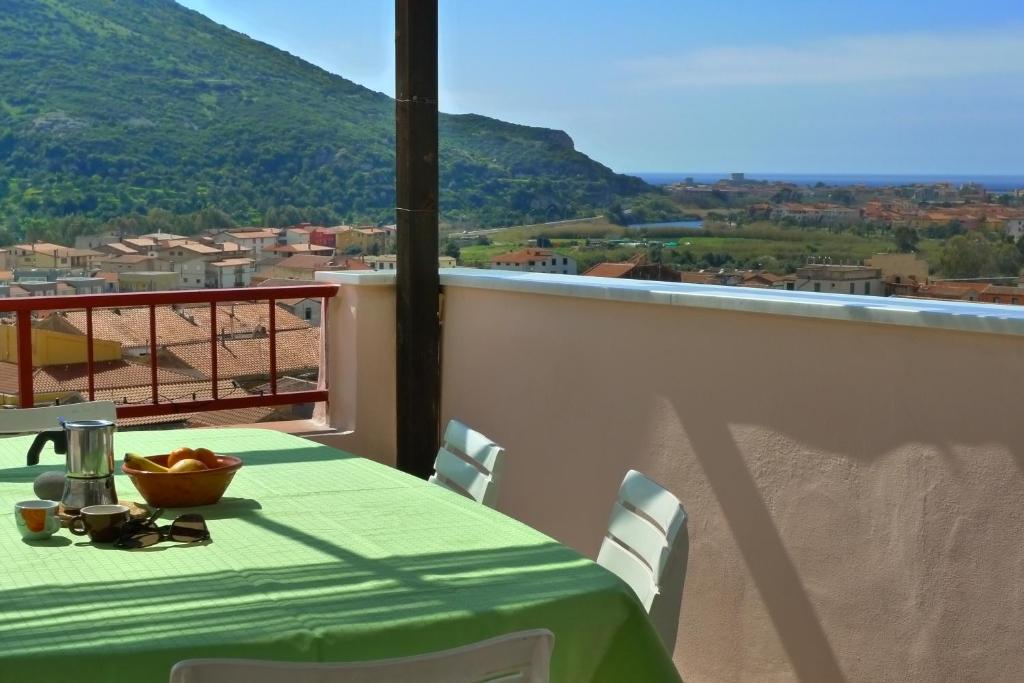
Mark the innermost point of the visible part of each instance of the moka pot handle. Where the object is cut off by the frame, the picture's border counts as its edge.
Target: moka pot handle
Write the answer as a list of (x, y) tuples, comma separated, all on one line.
[(60, 444)]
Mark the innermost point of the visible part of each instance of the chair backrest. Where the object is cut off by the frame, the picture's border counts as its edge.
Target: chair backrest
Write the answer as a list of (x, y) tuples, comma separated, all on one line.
[(522, 657), (469, 463), (647, 546), (28, 420)]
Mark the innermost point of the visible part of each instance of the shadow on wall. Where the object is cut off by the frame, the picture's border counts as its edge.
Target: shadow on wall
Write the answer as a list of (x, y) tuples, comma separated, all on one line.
[(861, 472)]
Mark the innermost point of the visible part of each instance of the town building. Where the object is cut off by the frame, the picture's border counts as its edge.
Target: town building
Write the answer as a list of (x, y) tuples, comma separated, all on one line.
[(303, 267), (148, 281), (128, 263), (1000, 294), (903, 273), (189, 259), (298, 234), (232, 272), (256, 240), (300, 248), (900, 267), (389, 262), (84, 285), (116, 249), (535, 261), (839, 279), (349, 239), (97, 241), (635, 269), (46, 255), (1014, 228)]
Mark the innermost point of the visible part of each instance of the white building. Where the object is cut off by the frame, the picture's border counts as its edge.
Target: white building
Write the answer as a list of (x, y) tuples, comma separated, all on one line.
[(189, 260), (827, 278), (304, 309), (297, 235), (535, 261), (388, 262), (231, 272), (1014, 228), (253, 239)]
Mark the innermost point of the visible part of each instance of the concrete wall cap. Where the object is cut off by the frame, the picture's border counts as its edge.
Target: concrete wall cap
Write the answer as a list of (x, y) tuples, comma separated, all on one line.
[(950, 315)]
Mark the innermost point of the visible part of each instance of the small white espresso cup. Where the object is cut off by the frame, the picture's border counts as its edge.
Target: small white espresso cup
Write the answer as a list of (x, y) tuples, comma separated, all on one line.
[(36, 519)]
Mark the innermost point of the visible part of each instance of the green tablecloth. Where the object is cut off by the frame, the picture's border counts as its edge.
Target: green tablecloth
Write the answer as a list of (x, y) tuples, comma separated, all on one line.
[(316, 556)]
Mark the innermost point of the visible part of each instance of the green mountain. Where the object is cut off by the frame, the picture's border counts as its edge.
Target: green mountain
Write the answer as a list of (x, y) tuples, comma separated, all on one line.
[(112, 107)]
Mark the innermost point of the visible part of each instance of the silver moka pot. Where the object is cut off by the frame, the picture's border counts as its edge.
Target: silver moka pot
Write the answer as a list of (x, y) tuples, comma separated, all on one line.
[(89, 449)]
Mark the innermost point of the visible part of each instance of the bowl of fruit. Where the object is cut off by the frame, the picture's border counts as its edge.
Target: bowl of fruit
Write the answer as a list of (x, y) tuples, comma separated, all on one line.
[(185, 477)]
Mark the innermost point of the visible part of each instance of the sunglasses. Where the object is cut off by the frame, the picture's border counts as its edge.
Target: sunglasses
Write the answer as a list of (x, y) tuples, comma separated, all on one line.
[(142, 533)]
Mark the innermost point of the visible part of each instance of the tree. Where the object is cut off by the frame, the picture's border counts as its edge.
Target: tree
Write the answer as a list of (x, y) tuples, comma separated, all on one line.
[(654, 252), (906, 239), (974, 255), (451, 248), (616, 214)]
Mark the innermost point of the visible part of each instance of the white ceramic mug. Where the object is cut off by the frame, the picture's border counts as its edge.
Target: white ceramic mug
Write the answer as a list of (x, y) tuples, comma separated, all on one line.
[(36, 519)]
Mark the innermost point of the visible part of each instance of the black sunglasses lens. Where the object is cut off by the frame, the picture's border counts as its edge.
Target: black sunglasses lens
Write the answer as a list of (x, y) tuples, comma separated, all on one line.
[(139, 540), (188, 528)]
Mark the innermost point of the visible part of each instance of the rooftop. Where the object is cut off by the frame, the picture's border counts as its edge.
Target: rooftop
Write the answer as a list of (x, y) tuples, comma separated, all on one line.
[(298, 352)]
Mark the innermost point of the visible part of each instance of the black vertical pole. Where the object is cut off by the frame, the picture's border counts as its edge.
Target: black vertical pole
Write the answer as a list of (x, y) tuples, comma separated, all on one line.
[(418, 327)]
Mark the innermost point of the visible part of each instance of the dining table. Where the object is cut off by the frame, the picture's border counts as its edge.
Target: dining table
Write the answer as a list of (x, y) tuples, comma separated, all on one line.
[(315, 555)]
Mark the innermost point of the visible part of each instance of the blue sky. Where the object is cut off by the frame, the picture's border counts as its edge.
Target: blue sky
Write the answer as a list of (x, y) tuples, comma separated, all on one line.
[(791, 86)]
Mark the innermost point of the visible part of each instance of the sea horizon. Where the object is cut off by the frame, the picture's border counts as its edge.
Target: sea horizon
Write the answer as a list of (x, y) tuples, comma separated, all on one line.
[(991, 182)]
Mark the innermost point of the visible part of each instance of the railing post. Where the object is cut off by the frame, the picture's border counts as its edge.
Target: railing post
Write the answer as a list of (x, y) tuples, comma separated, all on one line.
[(90, 360), (26, 393), (152, 353), (215, 387), (273, 346), (417, 335)]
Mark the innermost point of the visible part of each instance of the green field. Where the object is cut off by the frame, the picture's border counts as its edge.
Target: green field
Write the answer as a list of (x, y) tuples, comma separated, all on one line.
[(764, 245)]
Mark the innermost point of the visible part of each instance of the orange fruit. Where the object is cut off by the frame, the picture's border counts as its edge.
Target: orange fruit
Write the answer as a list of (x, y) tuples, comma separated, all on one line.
[(179, 454), (206, 456), (187, 465)]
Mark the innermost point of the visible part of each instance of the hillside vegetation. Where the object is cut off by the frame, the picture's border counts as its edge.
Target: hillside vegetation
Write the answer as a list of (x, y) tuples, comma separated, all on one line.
[(109, 108)]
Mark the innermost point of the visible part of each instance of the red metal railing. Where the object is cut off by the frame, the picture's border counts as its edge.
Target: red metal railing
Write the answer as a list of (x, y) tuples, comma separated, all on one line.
[(23, 307)]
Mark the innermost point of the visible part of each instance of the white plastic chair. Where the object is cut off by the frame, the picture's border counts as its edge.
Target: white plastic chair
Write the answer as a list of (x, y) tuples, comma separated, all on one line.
[(647, 547), (29, 420), (469, 463), (522, 657)]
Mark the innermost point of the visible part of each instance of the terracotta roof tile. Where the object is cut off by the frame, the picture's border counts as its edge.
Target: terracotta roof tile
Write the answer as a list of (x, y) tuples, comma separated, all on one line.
[(74, 377), (170, 393), (300, 248), (186, 324), (189, 245), (119, 248), (298, 352), (130, 326), (610, 269), (264, 233), (225, 418), (128, 259), (244, 318)]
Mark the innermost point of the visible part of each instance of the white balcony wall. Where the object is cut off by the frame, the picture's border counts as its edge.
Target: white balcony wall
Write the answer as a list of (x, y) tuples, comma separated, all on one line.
[(855, 489), (852, 467), (359, 361)]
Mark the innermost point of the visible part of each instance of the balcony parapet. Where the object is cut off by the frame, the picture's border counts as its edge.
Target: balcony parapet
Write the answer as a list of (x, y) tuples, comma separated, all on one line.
[(948, 315)]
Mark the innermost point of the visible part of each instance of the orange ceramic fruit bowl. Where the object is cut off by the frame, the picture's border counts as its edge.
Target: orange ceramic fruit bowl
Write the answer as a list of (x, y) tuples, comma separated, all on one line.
[(184, 489)]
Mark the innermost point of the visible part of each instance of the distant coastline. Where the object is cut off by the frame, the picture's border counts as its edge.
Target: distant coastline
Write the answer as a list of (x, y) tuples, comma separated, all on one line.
[(993, 183)]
